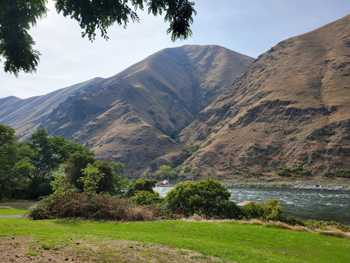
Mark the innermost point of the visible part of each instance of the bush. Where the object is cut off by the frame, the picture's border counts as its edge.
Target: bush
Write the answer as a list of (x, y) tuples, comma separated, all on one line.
[(326, 225), (141, 185), (201, 198), (345, 173), (228, 210), (272, 211), (297, 171), (283, 172), (146, 198)]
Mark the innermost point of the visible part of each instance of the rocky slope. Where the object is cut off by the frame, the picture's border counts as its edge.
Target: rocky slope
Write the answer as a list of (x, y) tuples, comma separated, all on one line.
[(291, 107), (134, 117)]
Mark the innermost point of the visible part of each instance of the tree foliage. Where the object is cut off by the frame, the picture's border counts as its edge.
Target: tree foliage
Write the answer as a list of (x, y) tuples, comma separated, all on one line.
[(141, 185), (14, 159), (18, 16), (50, 152), (165, 171), (16, 45), (91, 179), (81, 164)]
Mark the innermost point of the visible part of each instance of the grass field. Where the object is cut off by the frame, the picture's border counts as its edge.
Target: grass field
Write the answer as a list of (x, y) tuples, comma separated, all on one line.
[(168, 241), (7, 212)]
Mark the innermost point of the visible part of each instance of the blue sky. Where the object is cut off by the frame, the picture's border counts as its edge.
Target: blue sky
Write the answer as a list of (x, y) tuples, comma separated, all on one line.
[(250, 27)]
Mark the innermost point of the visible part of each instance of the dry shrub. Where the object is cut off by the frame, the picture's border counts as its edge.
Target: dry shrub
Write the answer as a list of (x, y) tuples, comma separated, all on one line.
[(333, 232), (196, 217), (280, 224), (245, 221), (301, 228), (257, 222), (91, 206)]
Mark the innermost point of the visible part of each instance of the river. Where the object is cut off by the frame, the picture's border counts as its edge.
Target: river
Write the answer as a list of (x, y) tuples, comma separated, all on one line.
[(305, 204)]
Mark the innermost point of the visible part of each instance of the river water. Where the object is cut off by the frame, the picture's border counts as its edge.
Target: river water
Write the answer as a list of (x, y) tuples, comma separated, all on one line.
[(305, 204)]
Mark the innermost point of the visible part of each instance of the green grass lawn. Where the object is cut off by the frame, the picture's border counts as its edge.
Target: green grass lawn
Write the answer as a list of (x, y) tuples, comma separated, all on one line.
[(226, 240), (7, 212)]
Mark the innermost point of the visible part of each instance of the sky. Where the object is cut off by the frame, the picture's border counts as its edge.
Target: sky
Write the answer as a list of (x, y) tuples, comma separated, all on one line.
[(250, 27)]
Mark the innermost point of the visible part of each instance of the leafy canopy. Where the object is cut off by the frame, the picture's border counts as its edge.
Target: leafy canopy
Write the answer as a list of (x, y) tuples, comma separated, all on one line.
[(98, 176), (18, 16), (16, 45), (50, 152)]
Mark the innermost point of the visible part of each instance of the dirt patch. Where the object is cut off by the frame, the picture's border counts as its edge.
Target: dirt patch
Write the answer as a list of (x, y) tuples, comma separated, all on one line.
[(23, 249), (18, 205), (12, 216)]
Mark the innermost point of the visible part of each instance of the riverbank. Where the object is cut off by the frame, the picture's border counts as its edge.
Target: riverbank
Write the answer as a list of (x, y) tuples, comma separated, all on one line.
[(287, 185), (311, 184)]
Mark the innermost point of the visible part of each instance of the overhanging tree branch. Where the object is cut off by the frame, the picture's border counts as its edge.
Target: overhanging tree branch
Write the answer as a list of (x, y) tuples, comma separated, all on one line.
[(17, 16)]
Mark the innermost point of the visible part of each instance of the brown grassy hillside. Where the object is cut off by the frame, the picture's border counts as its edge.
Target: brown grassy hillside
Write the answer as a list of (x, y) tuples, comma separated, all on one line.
[(291, 107), (135, 116)]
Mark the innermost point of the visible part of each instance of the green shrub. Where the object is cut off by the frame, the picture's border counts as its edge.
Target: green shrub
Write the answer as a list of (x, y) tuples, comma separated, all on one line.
[(141, 185), (283, 172), (189, 150), (146, 198), (326, 225), (345, 173), (297, 171), (201, 198), (272, 211), (228, 210), (328, 174)]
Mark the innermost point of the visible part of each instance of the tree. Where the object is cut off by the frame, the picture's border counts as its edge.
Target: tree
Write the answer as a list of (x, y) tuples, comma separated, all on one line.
[(82, 165), (75, 164), (17, 16), (165, 171), (91, 179), (14, 159), (50, 152)]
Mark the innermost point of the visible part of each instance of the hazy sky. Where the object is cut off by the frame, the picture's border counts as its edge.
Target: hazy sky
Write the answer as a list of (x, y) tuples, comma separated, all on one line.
[(250, 27)]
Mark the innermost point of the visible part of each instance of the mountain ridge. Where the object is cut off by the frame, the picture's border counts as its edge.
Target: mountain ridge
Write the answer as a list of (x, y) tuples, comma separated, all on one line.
[(290, 108), (135, 116)]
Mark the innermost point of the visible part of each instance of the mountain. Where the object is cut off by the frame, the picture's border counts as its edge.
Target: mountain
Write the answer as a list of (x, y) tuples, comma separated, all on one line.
[(135, 116), (25, 115), (291, 107)]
